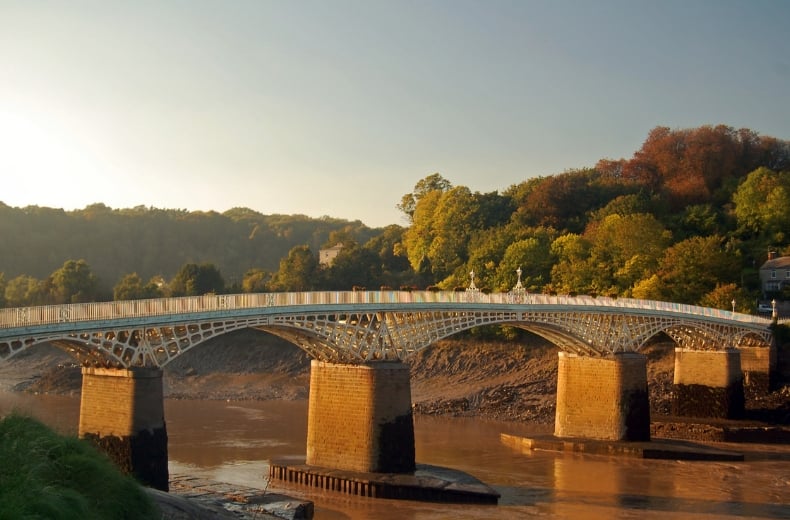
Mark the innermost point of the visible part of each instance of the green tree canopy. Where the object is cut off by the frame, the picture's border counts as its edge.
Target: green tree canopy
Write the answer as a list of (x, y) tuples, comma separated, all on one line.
[(354, 266), (256, 281), (74, 283), (571, 272), (418, 237), (454, 222), (762, 204), (131, 287), (25, 290), (433, 182), (624, 249), (533, 256), (722, 296), (689, 270), (196, 280), (298, 271)]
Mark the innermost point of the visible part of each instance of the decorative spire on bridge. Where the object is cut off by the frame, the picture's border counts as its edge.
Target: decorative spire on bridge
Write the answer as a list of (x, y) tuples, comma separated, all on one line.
[(518, 294), (472, 292)]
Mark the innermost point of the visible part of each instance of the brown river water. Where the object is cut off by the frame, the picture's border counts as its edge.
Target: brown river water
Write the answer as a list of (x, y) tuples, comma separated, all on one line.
[(233, 442)]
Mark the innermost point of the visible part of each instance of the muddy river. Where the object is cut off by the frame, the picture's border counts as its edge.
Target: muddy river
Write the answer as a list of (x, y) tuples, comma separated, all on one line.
[(234, 441)]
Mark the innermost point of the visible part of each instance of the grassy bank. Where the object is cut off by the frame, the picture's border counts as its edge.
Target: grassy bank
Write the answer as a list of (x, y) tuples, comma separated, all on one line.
[(46, 475)]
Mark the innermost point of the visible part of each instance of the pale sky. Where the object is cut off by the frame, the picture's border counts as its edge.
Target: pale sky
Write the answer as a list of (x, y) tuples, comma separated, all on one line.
[(339, 107)]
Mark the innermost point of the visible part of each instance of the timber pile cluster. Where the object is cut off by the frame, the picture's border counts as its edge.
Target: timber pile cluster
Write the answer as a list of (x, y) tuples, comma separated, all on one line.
[(510, 381)]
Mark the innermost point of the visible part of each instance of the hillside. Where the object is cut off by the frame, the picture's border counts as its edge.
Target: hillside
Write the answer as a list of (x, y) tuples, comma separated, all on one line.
[(38, 240)]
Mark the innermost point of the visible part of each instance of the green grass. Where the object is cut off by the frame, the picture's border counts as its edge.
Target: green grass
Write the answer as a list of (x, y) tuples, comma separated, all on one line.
[(48, 476)]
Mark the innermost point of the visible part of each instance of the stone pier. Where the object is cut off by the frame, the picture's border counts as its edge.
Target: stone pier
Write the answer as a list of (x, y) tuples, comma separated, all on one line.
[(708, 383), (758, 365), (360, 417), (603, 398), (122, 413)]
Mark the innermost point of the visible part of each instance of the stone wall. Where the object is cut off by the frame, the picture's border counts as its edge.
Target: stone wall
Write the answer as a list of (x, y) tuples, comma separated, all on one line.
[(360, 417), (602, 398)]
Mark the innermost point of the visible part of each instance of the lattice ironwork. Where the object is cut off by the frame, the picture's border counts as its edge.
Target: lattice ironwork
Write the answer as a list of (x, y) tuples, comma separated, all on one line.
[(361, 330)]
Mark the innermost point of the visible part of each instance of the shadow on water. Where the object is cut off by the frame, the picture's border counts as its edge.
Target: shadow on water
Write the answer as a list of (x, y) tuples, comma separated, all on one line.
[(537, 497), (697, 506)]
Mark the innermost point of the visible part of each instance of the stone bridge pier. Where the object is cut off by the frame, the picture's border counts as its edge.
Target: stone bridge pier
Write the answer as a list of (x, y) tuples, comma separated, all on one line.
[(709, 383), (603, 397), (360, 417), (122, 413)]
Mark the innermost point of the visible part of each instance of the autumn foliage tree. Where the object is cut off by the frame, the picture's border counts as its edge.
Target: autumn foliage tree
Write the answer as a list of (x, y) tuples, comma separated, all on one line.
[(690, 166)]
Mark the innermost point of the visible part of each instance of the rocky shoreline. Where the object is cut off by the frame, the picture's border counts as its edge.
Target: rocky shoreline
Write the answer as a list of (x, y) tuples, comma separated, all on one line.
[(193, 498)]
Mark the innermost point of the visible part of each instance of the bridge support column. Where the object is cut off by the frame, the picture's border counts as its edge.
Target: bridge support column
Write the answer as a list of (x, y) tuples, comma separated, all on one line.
[(122, 413), (603, 398), (708, 383), (360, 417), (758, 365)]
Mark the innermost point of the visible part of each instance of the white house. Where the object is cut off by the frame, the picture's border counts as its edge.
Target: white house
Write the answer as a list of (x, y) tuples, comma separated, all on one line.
[(327, 256), (774, 273)]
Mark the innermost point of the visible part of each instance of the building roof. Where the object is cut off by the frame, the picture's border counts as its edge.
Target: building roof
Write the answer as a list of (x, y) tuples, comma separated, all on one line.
[(783, 262)]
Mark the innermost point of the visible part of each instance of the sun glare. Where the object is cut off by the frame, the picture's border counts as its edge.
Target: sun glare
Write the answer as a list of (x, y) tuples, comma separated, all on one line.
[(43, 161)]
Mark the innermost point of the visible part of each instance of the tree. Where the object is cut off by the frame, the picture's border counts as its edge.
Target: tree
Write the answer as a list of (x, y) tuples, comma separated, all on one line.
[(433, 182), (697, 165), (722, 296), (572, 272), (762, 204), (611, 256), (418, 237), (563, 201), (485, 250), (623, 205), (699, 220), (692, 268), (624, 249), (353, 266), (25, 290), (387, 246), (131, 287), (493, 209), (256, 281), (454, 222), (74, 283), (298, 271), (533, 256), (196, 280), (648, 289)]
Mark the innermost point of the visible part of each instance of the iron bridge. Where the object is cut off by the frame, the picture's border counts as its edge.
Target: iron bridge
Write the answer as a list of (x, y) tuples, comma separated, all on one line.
[(357, 327)]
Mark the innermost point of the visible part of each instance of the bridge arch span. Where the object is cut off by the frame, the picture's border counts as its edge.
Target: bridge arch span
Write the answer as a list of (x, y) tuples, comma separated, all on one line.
[(359, 327)]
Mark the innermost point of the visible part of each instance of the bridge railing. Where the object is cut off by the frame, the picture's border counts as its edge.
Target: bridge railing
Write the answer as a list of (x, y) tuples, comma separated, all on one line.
[(81, 312)]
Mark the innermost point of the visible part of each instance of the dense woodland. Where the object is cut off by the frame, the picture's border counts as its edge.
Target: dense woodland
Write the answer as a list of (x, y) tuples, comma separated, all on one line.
[(689, 218)]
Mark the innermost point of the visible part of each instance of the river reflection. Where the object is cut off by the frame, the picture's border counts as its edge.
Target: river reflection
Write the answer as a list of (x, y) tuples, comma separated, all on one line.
[(233, 442)]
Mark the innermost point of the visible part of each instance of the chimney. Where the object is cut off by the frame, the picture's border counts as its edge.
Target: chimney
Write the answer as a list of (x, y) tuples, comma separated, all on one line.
[(771, 255)]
